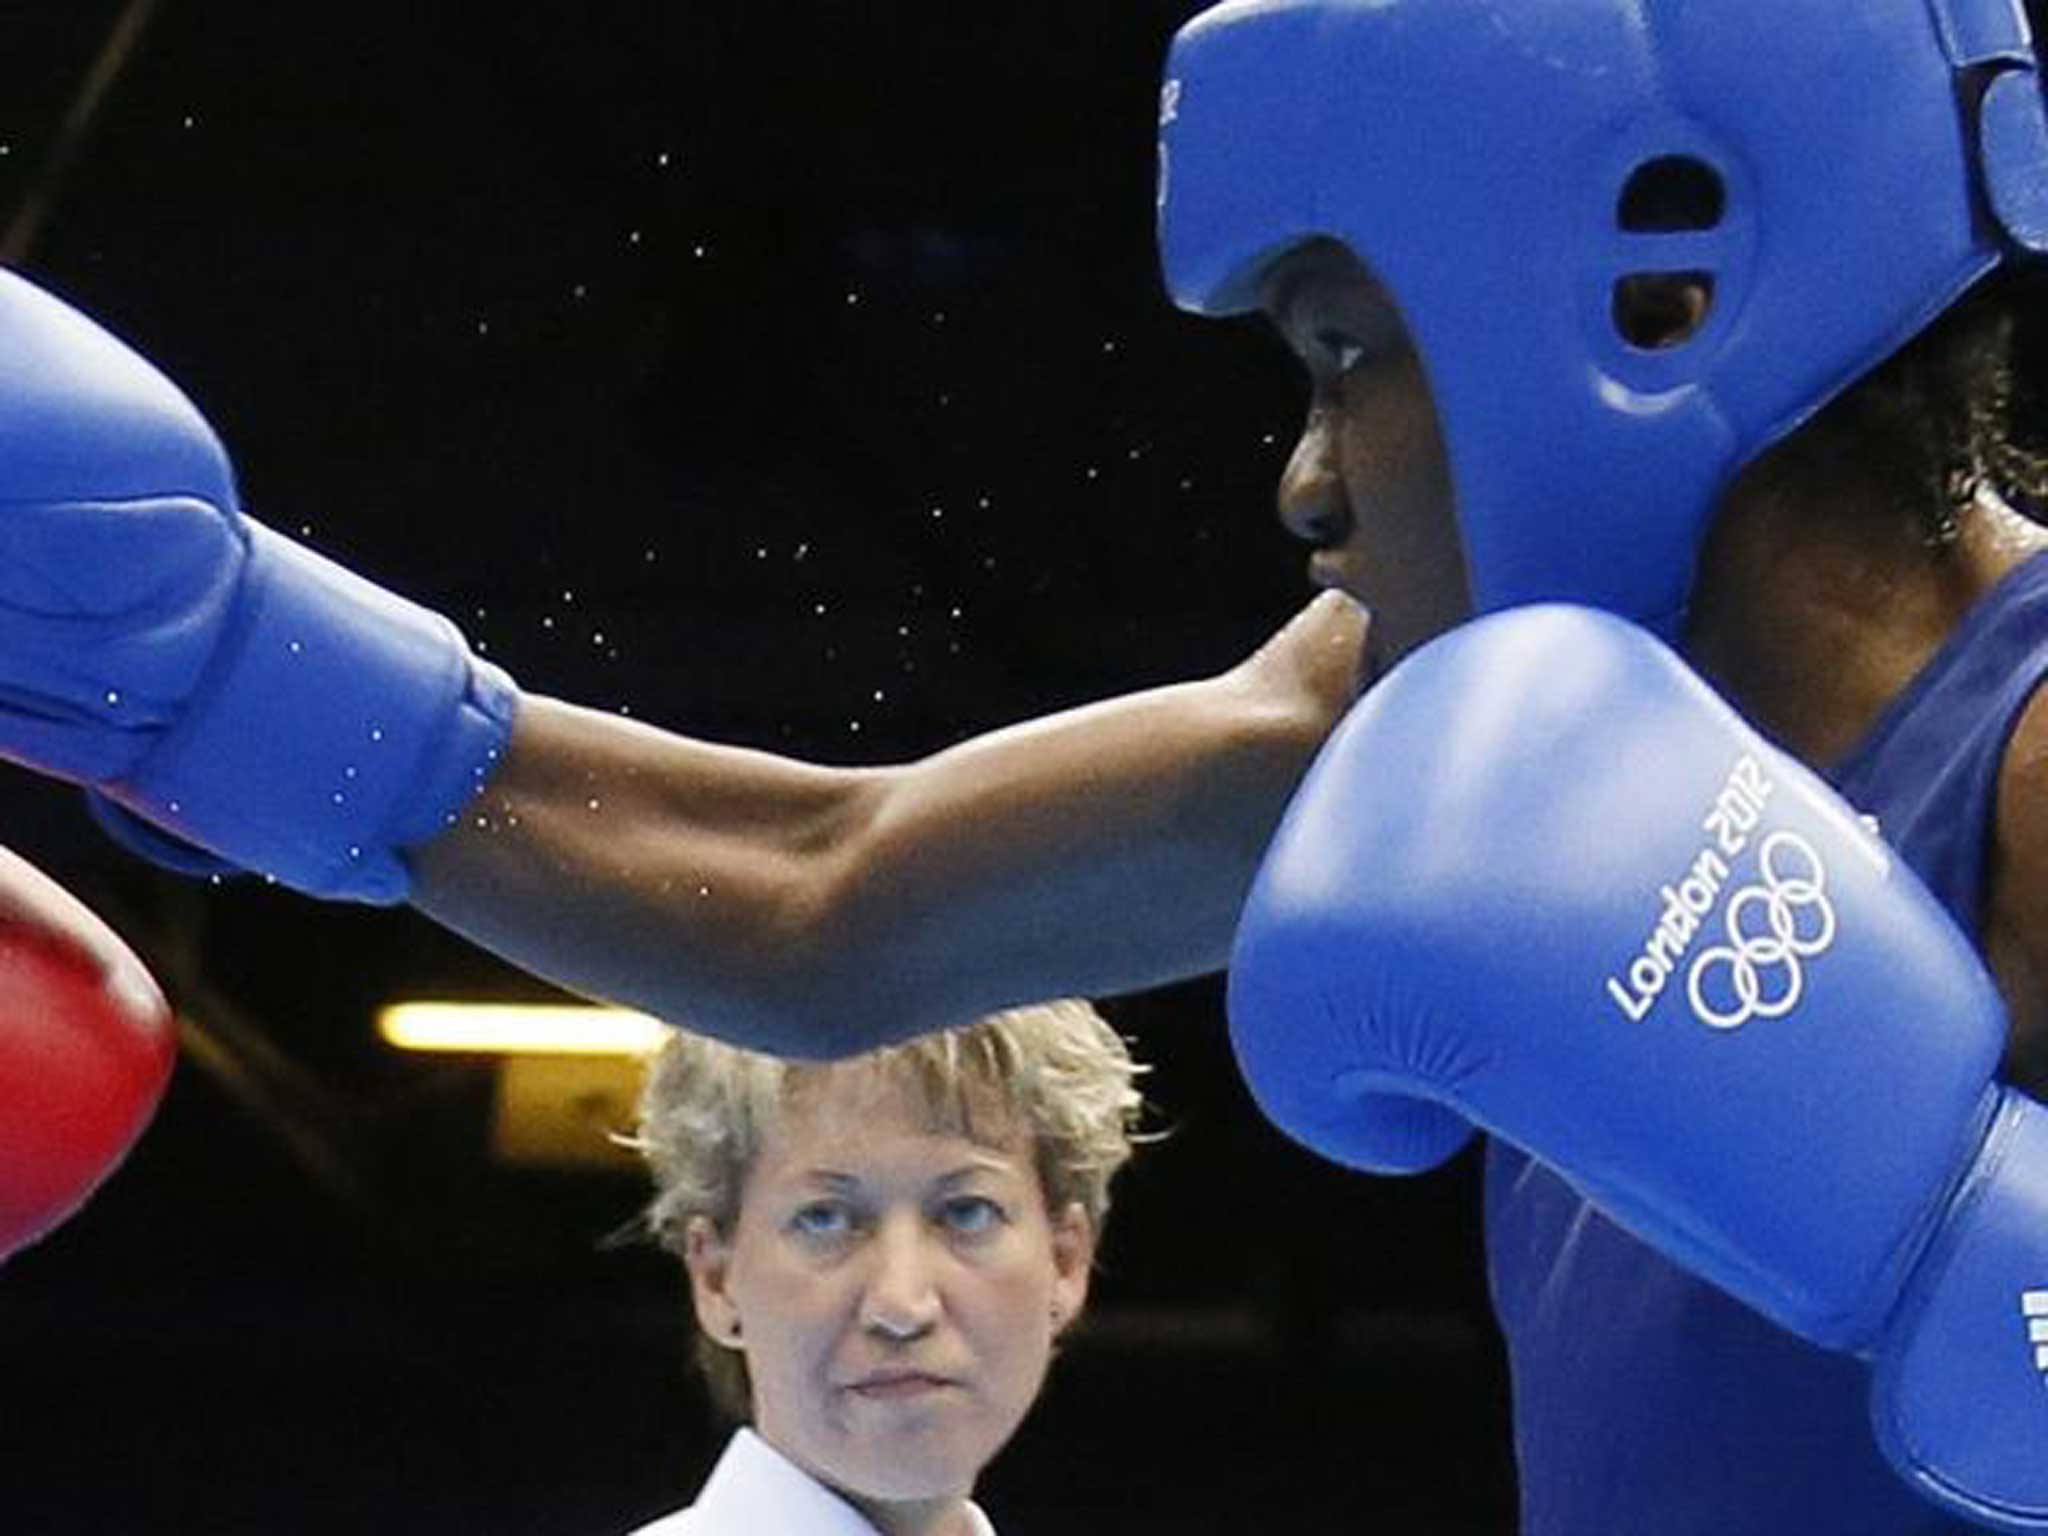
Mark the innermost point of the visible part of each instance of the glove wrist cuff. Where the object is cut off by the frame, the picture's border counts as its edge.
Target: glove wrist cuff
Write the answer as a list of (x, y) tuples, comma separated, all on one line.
[(337, 725)]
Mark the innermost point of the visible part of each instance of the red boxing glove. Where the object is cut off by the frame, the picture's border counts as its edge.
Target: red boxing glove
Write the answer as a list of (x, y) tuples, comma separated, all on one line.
[(86, 1047)]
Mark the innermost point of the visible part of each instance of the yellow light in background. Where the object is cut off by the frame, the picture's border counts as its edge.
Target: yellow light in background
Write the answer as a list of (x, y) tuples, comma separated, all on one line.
[(515, 1029)]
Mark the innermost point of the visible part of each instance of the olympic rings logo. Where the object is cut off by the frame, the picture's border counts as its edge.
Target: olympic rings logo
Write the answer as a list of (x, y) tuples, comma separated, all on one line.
[(1763, 966)]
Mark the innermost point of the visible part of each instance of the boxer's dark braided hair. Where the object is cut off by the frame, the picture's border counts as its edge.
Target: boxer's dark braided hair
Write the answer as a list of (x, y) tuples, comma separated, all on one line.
[(1963, 408)]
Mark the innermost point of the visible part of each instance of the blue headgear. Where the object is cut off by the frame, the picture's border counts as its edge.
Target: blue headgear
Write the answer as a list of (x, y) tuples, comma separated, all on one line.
[(1861, 163)]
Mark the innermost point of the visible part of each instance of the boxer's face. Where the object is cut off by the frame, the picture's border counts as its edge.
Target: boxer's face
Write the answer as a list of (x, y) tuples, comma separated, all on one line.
[(1368, 483), (898, 1288)]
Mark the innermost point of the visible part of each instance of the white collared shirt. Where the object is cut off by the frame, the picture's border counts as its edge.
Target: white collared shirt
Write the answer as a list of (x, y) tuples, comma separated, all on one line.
[(755, 1489)]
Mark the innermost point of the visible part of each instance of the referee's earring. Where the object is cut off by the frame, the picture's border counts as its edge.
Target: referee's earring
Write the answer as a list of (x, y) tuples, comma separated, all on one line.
[(707, 1257)]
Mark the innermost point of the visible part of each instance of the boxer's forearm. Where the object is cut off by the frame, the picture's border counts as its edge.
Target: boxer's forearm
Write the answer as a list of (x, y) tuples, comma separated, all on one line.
[(818, 910)]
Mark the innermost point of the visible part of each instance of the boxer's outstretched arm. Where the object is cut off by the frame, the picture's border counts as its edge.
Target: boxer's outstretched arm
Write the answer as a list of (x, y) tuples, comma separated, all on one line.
[(233, 700), (820, 910)]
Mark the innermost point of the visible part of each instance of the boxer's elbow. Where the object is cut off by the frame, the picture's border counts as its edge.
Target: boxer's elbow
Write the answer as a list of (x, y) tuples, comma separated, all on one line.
[(799, 983), (784, 949)]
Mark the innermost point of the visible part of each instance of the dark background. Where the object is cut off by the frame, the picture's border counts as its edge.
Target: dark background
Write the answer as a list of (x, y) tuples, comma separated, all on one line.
[(787, 372)]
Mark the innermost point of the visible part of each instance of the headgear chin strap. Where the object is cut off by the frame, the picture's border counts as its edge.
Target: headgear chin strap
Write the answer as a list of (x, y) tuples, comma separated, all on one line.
[(1850, 168)]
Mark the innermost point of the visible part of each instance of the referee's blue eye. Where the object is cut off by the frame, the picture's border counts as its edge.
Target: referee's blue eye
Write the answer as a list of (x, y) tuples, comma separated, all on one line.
[(823, 1218), (972, 1215)]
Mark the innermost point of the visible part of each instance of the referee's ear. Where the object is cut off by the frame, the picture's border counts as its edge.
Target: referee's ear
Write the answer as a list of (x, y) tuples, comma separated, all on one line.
[(708, 1257), (1073, 1259)]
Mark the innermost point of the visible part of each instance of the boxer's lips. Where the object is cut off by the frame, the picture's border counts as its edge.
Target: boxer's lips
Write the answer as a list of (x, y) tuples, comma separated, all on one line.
[(1328, 569)]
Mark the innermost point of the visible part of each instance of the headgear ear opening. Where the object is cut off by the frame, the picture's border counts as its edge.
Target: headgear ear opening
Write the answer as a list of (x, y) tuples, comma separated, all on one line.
[(1670, 193), (1659, 310)]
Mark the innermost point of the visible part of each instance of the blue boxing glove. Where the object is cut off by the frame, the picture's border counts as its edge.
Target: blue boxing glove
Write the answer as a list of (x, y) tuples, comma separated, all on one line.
[(1544, 882), (212, 682)]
